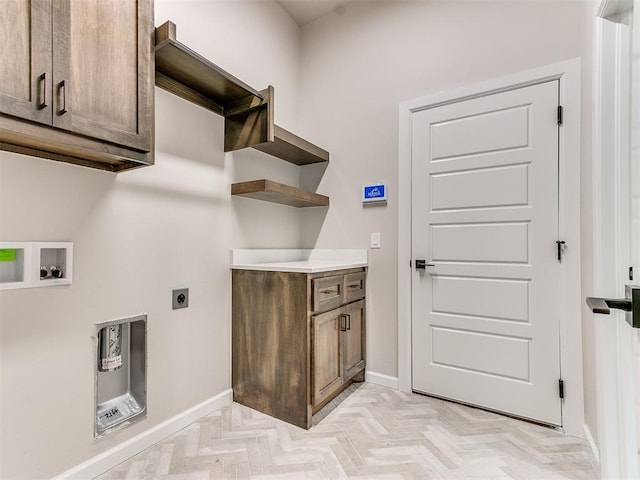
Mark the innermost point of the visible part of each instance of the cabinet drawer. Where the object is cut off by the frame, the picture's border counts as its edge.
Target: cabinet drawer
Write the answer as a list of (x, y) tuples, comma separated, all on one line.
[(328, 292), (354, 287)]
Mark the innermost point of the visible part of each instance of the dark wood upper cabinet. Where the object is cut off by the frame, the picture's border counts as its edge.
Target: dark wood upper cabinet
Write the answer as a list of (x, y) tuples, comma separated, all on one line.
[(79, 86)]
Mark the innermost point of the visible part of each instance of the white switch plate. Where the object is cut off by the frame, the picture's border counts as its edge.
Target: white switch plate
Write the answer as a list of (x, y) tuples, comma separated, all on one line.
[(375, 240)]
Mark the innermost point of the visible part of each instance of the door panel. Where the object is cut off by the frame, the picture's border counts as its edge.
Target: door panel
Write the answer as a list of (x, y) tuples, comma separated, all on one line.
[(481, 297), (482, 353), (480, 132), (109, 80), (485, 319), (327, 358), (353, 344), (102, 95), (467, 189), (498, 242), (25, 50)]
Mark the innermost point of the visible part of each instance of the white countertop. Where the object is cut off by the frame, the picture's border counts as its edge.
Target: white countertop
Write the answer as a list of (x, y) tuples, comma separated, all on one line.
[(298, 261)]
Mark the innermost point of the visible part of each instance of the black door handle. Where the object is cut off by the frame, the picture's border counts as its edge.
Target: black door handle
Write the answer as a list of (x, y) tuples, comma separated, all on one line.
[(603, 305), (422, 264), (630, 304)]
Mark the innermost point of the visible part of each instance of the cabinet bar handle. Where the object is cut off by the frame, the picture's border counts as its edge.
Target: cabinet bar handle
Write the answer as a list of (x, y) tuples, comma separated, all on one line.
[(63, 97), (354, 286), (343, 322), (329, 292), (42, 93), (346, 325)]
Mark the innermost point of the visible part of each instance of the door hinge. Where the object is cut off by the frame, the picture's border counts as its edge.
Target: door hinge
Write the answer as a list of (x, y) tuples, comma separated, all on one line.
[(630, 273), (561, 388), (561, 244), (559, 114)]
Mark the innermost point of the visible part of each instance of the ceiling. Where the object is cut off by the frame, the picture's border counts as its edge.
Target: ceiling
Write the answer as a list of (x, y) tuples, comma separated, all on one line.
[(305, 11)]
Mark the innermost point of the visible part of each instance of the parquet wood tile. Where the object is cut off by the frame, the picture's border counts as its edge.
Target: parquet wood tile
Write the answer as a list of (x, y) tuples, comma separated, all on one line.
[(375, 433)]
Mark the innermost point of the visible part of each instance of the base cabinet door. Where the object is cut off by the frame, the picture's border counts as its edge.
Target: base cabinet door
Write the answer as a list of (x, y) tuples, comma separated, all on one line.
[(353, 340), (338, 348), (326, 359)]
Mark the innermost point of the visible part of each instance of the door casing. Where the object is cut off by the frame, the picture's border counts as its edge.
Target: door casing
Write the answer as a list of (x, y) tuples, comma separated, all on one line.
[(616, 414), (568, 74)]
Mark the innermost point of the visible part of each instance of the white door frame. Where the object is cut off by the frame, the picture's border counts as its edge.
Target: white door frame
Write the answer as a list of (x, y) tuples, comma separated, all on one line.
[(568, 73), (613, 339)]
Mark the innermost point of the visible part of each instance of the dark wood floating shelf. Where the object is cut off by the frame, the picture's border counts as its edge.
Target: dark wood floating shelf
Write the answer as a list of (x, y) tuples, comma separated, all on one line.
[(278, 193), (292, 148), (189, 75), (248, 116)]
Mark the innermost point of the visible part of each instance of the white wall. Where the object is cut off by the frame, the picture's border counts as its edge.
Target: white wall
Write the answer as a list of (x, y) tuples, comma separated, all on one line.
[(137, 235), (355, 69)]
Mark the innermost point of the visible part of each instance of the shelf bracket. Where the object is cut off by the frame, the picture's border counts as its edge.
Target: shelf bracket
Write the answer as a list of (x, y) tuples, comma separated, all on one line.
[(248, 113), (249, 122), (166, 32)]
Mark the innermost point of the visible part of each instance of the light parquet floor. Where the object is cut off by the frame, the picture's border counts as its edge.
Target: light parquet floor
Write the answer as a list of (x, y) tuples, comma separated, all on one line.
[(375, 433)]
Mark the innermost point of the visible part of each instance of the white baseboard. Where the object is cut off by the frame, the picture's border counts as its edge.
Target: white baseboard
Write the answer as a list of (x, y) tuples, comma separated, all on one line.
[(380, 379), (127, 449), (594, 453)]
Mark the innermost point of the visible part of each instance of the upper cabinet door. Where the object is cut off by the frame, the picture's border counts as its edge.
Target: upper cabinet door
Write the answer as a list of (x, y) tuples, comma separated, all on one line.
[(103, 69), (25, 53)]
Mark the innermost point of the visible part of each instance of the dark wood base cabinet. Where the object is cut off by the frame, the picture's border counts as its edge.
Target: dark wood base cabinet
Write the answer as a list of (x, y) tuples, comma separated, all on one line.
[(298, 339)]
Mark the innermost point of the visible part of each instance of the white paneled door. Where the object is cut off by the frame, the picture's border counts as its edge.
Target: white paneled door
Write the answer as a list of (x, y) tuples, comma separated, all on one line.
[(486, 308)]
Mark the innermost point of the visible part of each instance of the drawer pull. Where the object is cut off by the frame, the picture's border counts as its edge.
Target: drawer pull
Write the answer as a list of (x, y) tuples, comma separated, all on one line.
[(355, 286), (330, 292)]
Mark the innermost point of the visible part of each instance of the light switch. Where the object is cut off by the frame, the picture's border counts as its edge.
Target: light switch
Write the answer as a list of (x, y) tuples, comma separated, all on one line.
[(375, 240)]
